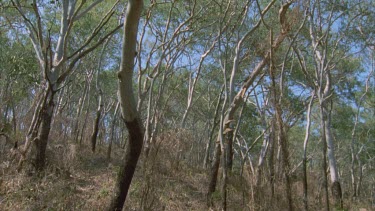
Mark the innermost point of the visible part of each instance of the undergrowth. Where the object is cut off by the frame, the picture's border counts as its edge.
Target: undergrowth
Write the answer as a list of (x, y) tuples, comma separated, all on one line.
[(165, 179)]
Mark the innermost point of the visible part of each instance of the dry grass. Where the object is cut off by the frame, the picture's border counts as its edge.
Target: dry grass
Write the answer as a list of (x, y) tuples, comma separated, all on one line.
[(72, 181), (77, 179)]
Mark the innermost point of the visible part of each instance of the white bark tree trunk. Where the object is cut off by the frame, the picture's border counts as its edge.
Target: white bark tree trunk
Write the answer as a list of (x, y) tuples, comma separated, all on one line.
[(128, 105), (55, 65)]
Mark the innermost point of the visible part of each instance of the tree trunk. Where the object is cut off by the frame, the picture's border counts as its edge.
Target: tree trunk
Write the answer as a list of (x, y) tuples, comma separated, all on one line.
[(285, 162), (32, 132), (277, 96), (359, 184), (112, 132), (262, 157), (96, 124), (81, 136), (128, 105), (225, 171), (335, 186), (239, 97), (271, 162), (307, 135), (95, 131), (324, 161), (214, 173), (125, 175), (148, 129), (80, 106), (214, 124), (14, 119), (45, 127), (229, 148)]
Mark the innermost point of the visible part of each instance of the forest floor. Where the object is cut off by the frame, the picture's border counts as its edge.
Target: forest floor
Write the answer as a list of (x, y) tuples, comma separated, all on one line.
[(77, 179), (82, 180)]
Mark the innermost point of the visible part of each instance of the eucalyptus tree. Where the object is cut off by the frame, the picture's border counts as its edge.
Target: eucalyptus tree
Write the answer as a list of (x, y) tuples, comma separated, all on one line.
[(208, 48), (361, 35), (237, 59), (56, 55), (169, 29), (171, 37), (238, 98), (128, 105), (328, 24)]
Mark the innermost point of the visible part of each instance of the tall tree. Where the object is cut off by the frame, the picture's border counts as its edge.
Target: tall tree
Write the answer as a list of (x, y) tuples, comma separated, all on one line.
[(128, 105), (239, 97), (56, 60)]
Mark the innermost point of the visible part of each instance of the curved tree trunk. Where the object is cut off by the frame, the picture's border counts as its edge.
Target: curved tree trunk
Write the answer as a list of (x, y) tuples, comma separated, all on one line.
[(128, 105), (125, 175)]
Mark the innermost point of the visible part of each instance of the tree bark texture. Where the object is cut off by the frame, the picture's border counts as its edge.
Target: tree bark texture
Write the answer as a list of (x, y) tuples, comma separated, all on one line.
[(229, 149), (96, 125), (95, 131), (45, 128), (214, 173), (125, 175), (335, 186)]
